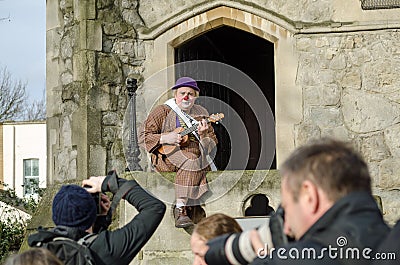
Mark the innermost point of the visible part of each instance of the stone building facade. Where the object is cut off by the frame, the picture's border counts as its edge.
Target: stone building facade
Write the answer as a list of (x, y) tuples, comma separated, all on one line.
[(332, 70), (335, 73)]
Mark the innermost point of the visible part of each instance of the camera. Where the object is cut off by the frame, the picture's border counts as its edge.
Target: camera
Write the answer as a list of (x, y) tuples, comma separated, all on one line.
[(97, 199), (237, 248)]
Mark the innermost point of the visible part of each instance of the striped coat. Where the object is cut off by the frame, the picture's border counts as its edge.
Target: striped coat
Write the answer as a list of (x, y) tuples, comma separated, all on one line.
[(188, 162)]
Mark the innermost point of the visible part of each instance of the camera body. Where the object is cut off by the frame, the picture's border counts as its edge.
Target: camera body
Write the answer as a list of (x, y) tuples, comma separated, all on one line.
[(237, 248), (97, 199)]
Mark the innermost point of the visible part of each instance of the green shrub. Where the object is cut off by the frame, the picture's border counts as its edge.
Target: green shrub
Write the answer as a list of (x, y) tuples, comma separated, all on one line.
[(12, 232)]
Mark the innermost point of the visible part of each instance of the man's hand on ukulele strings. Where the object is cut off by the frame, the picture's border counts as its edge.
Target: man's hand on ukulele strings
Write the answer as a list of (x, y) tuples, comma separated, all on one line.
[(171, 138)]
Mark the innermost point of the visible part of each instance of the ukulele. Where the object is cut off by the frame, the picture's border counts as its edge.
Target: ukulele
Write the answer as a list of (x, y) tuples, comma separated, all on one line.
[(166, 149)]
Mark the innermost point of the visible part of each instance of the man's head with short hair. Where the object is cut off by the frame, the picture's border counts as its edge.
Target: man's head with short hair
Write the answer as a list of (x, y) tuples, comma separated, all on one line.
[(332, 165), (73, 206), (315, 177)]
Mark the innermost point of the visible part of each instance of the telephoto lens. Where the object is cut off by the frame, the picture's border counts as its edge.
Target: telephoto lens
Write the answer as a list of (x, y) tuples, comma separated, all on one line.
[(236, 249)]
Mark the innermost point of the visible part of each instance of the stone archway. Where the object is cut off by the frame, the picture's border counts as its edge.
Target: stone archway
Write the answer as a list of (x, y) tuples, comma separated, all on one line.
[(287, 95)]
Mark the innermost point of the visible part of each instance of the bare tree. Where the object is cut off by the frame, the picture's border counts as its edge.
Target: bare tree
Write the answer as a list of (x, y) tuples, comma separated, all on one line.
[(12, 97), (36, 110), (5, 18)]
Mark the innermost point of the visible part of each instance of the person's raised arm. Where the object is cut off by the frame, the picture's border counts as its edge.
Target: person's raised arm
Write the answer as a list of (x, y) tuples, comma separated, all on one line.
[(125, 242)]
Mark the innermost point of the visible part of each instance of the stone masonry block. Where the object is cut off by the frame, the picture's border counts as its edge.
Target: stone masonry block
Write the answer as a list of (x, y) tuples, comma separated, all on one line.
[(90, 35), (85, 9), (97, 160)]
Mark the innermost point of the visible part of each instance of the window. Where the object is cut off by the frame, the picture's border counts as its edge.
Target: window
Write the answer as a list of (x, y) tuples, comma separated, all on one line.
[(31, 177)]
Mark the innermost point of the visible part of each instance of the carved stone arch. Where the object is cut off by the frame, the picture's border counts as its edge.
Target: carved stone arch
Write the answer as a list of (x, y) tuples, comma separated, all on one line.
[(160, 56)]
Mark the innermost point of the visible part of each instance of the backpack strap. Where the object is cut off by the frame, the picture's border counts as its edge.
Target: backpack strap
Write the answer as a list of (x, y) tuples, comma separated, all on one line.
[(119, 194), (67, 243), (57, 233), (122, 191), (43, 236), (87, 240)]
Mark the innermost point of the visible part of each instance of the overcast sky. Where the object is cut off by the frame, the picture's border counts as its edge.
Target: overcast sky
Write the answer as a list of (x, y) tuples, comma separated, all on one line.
[(22, 42)]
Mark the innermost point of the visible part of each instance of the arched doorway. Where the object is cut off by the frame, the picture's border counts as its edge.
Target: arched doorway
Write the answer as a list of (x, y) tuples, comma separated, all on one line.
[(253, 56)]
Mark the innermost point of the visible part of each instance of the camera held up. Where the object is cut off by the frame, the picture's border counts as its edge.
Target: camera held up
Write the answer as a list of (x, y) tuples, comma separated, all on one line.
[(97, 199)]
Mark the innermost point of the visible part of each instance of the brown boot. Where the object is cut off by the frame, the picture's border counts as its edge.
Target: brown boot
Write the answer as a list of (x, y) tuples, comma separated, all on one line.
[(181, 218)]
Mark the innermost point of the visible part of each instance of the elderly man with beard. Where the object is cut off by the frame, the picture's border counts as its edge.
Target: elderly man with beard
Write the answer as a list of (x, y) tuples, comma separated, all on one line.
[(188, 156)]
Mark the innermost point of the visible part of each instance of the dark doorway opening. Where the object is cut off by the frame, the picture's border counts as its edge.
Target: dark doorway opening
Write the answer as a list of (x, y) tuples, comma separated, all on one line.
[(254, 57)]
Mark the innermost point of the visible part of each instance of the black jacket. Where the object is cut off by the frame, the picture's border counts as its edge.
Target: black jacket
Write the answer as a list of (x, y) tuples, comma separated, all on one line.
[(348, 233), (389, 250), (121, 245)]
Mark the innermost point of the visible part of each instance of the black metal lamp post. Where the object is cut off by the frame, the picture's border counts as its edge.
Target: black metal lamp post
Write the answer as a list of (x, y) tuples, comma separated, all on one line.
[(133, 146)]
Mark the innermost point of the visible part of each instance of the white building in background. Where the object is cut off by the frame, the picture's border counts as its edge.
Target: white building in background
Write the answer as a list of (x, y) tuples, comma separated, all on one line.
[(23, 157)]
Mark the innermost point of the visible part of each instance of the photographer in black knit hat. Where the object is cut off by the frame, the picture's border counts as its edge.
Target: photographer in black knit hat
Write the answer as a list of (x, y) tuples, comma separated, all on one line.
[(75, 210), (73, 206)]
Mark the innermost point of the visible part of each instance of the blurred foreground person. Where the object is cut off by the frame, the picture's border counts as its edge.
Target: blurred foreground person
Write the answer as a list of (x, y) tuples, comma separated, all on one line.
[(34, 256), (328, 209), (208, 228)]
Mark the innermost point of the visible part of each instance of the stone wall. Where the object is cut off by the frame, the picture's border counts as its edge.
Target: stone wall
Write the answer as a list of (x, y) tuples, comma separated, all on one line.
[(351, 91), (90, 52), (336, 74)]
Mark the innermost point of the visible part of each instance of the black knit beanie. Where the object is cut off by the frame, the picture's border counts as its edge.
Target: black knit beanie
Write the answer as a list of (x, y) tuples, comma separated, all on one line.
[(73, 206)]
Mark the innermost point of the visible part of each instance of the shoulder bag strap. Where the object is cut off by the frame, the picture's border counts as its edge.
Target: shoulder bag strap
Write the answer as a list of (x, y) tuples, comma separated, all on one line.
[(189, 121)]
